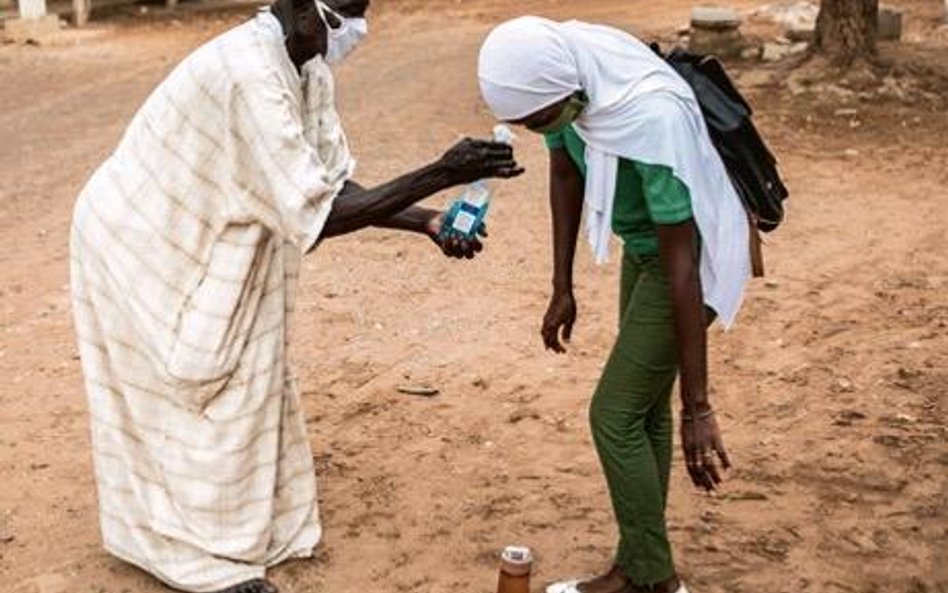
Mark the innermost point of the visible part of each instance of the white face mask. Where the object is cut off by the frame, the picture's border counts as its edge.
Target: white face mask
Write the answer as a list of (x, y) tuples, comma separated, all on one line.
[(344, 38)]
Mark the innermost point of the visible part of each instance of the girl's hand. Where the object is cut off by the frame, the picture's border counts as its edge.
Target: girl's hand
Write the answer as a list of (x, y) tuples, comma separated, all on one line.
[(702, 442), (560, 314)]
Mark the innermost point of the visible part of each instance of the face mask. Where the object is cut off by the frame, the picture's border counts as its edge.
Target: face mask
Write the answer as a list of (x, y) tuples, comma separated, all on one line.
[(344, 38), (568, 115)]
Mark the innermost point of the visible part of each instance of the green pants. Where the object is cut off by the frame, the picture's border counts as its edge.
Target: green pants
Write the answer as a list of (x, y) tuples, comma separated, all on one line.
[(631, 420)]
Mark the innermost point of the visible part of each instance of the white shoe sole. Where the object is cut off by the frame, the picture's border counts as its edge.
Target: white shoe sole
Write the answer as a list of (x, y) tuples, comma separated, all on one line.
[(571, 587), (564, 587)]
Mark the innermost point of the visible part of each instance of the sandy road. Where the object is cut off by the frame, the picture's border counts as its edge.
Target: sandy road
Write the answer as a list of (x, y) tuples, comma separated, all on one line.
[(832, 387)]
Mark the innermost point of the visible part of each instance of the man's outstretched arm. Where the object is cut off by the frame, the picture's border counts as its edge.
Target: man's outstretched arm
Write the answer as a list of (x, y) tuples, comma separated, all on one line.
[(468, 161)]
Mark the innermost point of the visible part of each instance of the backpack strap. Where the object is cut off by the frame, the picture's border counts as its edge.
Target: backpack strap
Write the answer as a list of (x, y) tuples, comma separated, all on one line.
[(756, 247)]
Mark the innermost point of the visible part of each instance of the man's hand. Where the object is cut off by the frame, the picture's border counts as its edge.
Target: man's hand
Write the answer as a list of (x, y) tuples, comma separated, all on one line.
[(453, 246), (702, 442), (470, 160), (560, 314)]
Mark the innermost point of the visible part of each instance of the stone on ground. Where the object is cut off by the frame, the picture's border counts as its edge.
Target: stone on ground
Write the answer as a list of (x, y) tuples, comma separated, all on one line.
[(715, 30)]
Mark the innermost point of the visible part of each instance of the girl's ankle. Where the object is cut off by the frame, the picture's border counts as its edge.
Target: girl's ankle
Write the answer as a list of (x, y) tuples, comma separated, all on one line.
[(669, 585)]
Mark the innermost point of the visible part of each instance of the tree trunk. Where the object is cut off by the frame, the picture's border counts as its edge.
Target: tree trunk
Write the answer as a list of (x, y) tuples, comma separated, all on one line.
[(846, 30), (80, 12), (32, 9)]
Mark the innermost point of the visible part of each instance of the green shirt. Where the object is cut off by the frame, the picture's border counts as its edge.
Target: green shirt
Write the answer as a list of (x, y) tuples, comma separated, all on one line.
[(646, 195)]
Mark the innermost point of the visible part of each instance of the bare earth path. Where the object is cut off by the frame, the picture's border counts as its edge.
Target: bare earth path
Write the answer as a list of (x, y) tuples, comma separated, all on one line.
[(833, 387)]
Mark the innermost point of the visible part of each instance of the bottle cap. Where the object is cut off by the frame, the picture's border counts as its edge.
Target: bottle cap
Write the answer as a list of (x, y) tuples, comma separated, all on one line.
[(516, 560), (503, 133)]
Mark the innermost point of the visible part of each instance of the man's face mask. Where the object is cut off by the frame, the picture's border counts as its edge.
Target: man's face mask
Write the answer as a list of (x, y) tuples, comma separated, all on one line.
[(341, 40), (568, 115)]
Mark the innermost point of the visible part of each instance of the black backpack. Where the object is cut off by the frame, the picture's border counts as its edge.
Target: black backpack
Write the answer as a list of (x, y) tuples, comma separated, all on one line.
[(750, 164)]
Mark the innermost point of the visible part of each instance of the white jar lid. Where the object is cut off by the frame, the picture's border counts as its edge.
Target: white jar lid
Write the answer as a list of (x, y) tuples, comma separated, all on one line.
[(517, 555)]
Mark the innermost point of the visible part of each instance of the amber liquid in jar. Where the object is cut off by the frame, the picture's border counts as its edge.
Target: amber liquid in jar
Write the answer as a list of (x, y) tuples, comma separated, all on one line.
[(515, 565)]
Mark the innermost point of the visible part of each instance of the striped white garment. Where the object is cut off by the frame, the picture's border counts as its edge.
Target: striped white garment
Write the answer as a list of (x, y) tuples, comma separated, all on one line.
[(186, 246)]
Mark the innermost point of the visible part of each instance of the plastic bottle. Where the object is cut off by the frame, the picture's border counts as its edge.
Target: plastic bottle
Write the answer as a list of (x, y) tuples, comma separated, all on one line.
[(467, 213), (504, 135), (516, 563)]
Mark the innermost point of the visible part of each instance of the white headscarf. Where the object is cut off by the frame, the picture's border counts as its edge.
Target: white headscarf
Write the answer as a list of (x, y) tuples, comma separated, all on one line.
[(640, 110)]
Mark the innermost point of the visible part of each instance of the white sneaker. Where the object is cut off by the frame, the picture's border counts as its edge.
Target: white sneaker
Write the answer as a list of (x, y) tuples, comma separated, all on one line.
[(571, 587), (564, 587)]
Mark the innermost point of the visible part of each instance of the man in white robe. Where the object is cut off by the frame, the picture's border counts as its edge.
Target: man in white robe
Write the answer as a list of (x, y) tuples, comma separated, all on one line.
[(186, 247)]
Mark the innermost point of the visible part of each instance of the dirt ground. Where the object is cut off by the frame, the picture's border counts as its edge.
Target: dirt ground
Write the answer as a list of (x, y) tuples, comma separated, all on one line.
[(832, 388)]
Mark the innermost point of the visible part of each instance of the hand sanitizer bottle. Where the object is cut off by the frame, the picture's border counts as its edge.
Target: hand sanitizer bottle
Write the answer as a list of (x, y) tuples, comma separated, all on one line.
[(466, 215)]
